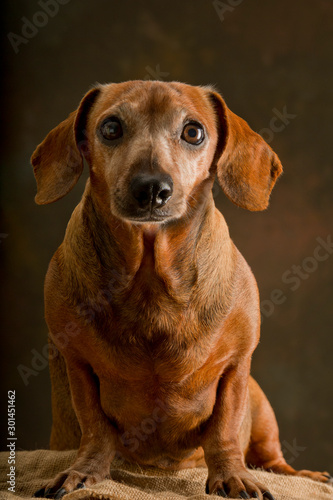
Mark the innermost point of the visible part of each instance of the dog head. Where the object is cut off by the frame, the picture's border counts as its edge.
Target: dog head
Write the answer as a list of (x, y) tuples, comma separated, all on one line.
[(151, 147)]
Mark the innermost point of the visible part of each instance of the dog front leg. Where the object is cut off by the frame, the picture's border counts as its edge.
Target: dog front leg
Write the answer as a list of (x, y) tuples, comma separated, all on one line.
[(227, 474), (97, 446)]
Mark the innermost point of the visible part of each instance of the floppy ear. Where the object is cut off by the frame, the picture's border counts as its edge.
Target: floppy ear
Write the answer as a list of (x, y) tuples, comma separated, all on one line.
[(58, 160), (247, 168)]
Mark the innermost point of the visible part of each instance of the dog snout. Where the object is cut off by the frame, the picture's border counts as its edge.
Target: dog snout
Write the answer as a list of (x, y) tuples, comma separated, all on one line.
[(152, 191)]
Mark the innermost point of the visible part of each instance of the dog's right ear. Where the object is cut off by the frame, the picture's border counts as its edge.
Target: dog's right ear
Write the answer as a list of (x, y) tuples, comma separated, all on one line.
[(58, 160)]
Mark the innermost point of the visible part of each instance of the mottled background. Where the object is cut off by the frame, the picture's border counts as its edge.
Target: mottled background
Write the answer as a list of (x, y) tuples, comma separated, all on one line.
[(266, 58)]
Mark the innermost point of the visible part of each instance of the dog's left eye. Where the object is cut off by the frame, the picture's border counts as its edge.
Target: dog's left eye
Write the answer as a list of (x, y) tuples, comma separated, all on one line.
[(111, 129), (193, 133)]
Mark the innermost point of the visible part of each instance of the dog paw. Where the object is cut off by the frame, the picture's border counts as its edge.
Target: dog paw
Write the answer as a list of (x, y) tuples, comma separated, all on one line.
[(323, 477), (239, 485), (69, 480)]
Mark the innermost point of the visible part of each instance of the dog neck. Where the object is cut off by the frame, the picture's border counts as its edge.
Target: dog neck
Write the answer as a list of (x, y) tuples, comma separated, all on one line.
[(138, 271), (149, 251)]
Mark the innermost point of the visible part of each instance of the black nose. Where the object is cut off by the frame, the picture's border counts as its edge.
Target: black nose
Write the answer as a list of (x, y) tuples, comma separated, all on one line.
[(152, 191)]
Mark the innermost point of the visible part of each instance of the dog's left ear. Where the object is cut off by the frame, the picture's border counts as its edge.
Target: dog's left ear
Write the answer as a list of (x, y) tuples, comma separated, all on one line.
[(247, 168), (58, 160)]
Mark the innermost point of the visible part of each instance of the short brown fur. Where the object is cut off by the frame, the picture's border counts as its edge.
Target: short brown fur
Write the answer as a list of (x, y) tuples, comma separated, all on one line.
[(156, 321)]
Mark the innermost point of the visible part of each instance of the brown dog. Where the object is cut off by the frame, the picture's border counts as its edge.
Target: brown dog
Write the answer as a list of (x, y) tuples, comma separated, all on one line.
[(152, 307)]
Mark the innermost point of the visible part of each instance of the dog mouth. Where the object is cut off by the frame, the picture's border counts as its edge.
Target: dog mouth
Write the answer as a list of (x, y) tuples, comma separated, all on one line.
[(149, 218), (138, 215)]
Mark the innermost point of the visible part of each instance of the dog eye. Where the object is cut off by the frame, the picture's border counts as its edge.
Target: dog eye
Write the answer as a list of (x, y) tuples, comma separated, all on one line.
[(111, 129), (193, 133)]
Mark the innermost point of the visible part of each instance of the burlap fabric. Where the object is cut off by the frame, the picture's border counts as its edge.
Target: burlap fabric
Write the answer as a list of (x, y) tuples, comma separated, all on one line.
[(128, 482)]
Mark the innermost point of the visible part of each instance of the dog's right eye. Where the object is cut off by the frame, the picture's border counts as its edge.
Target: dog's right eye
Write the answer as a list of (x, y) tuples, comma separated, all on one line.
[(111, 129)]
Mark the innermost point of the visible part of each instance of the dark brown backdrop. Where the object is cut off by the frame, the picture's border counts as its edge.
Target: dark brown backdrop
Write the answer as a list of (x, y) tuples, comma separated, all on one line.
[(267, 58)]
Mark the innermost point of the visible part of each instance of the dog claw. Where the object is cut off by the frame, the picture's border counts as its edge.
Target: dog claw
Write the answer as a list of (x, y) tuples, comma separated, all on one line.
[(60, 493), (255, 494), (80, 485), (268, 495), (39, 493), (220, 492), (243, 494), (328, 476)]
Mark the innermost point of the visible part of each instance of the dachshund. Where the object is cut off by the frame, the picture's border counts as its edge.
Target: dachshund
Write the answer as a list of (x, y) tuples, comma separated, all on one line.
[(153, 313)]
